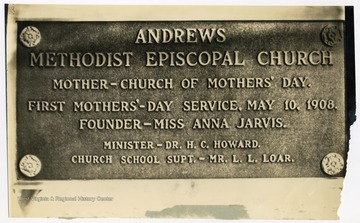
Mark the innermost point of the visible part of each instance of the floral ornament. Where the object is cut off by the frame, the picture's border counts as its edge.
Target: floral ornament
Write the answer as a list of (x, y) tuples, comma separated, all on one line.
[(30, 36), (331, 35), (30, 165), (332, 163)]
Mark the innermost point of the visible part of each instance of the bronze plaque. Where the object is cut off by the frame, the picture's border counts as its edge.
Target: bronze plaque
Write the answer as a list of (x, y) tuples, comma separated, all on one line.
[(180, 99)]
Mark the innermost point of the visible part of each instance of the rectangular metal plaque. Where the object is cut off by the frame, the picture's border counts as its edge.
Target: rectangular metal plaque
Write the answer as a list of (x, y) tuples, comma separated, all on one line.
[(182, 98)]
